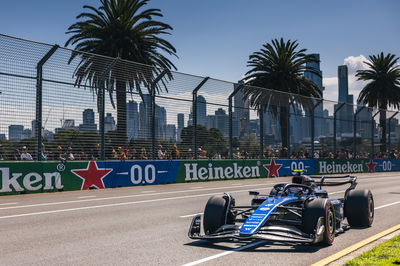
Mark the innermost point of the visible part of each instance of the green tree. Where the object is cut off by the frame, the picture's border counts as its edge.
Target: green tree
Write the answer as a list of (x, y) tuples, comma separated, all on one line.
[(279, 66), (383, 89), (120, 29)]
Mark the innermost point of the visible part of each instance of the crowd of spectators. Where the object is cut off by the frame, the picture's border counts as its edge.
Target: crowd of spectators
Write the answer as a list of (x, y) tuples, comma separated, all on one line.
[(173, 153)]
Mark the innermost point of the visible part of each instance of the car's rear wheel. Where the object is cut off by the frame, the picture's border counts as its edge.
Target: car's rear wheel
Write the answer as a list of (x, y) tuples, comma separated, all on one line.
[(359, 208), (217, 213), (315, 209)]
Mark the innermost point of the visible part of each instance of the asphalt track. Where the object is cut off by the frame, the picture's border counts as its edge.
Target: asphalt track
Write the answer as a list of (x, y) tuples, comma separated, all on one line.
[(148, 226)]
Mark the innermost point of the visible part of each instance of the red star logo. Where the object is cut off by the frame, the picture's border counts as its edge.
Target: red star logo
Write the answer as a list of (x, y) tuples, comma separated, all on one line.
[(371, 166), (92, 176), (272, 168)]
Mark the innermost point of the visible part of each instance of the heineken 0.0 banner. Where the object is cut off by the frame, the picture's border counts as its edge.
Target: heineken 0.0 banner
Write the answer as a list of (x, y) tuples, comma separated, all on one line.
[(31, 177)]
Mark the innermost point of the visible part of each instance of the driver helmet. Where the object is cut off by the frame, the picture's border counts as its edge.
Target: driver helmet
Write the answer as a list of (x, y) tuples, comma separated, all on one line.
[(302, 179)]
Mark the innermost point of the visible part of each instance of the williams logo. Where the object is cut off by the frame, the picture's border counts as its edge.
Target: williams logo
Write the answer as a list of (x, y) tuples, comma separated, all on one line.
[(195, 172)]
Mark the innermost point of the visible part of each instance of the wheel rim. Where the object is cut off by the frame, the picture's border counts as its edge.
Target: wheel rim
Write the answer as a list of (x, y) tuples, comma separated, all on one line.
[(331, 221), (371, 208)]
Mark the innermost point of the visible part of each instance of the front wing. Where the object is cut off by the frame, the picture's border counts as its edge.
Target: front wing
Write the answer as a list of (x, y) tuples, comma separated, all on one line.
[(281, 233)]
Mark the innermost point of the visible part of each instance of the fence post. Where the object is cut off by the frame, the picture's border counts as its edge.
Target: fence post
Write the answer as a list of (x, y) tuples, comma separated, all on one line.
[(355, 129), (194, 118), (334, 127), (238, 88), (313, 127), (153, 111), (39, 100), (372, 134), (102, 89), (389, 128)]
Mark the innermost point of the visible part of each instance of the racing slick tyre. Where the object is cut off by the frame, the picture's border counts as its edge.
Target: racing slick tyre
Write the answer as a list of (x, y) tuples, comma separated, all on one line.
[(217, 213), (315, 209), (359, 208)]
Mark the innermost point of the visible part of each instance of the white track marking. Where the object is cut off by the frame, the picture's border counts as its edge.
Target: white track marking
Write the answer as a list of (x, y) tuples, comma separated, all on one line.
[(11, 203), (256, 243), (196, 187), (113, 205), (122, 197), (86, 197), (226, 253), (387, 205), (336, 192), (149, 191), (190, 215)]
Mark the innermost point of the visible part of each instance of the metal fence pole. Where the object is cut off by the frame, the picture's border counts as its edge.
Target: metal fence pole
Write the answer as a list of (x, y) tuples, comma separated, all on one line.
[(313, 127), (153, 111), (194, 118), (334, 127), (389, 128), (102, 89), (372, 134), (238, 88), (261, 117), (39, 100), (355, 130)]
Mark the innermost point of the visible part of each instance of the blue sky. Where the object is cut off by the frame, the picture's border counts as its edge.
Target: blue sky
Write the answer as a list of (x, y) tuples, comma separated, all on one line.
[(215, 38)]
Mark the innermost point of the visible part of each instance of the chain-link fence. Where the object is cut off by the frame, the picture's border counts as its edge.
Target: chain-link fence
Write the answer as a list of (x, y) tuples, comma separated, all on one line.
[(60, 104)]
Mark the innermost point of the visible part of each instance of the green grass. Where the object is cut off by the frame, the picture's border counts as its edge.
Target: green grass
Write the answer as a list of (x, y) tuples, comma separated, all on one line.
[(387, 253)]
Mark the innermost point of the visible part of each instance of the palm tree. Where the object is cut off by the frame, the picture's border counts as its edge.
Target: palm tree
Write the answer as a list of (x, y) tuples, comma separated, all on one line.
[(383, 89), (277, 70), (120, 29)]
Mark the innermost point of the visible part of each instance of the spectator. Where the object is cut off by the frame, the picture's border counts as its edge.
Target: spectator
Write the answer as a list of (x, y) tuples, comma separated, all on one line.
[(160, 153), (25, 155), (175, 153), (143, 154)]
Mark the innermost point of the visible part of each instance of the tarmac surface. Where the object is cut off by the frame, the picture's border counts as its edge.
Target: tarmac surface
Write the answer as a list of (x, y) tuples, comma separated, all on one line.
[(148, 225)]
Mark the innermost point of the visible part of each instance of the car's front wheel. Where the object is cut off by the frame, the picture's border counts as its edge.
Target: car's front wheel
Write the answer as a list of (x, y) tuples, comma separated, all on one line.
[(359, 208), (315, 209), (217, 213)]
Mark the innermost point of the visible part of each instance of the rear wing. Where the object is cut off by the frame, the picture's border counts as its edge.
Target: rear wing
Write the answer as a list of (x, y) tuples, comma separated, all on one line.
[(349, 179)]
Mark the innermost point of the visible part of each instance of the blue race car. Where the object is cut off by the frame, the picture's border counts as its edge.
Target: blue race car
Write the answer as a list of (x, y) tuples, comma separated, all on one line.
[(297, 212)]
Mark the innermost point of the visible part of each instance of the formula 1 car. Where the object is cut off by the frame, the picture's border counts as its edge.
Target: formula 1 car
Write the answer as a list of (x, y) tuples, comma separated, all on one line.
[(297, 212)]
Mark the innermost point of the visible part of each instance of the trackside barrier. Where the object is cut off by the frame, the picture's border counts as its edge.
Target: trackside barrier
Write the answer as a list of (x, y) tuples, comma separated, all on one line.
[(37, 177)]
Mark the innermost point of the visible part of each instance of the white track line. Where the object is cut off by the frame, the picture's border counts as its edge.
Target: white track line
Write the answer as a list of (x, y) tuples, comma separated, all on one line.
[(11, 203), (256, 243), (112, 205), (123, 197), (86, 197), (149, 191), (226, 253)]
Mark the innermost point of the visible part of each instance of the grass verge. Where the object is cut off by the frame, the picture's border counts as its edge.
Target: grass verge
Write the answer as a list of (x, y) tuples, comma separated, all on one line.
[(387, 253)]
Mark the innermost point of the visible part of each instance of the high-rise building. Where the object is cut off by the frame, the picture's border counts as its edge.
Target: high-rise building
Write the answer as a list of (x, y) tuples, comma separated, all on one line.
[(201, 112), (161, 122), (319, 129), (170, 133), (241, 114), (221, 121), (181, 125), (132, 118), (145, 117), (345, 114), (109, 123), (364, 118), (15, 132), (34, 128), (88, 121)]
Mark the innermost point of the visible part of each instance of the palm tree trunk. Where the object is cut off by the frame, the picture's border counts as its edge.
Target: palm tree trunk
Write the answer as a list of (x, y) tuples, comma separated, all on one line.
[(284, 124), (121, 112), (382, 122)]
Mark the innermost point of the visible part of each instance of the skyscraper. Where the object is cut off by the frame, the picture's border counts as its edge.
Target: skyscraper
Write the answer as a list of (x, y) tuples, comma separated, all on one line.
[(109, 123), (88, 121), (201, 112), (145, 117), (345, 114), (181, 125), (132, 119), (221, 121), (241, 114), (15, 132), (319, 129)]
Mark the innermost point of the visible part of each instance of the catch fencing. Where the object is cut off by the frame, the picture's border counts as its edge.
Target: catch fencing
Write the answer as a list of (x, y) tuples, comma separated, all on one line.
[(61, 104)]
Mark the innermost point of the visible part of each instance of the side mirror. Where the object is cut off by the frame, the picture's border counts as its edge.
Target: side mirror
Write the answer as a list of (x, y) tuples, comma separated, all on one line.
[(254, 193)]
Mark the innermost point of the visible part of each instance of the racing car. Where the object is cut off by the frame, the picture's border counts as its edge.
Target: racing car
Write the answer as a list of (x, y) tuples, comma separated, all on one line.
[(297, 212)]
